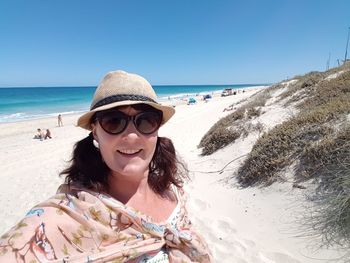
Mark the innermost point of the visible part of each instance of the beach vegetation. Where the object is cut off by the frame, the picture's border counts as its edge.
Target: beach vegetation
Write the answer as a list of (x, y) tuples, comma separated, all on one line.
[(302, 87), (220, 138), (319, 114), (258, 100), (235, 125), (222, 133), (253, 112), (328, 162), (314, 142)]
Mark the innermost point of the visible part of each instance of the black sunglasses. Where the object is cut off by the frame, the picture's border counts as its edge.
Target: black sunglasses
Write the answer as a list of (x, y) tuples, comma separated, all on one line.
[(115, 122)]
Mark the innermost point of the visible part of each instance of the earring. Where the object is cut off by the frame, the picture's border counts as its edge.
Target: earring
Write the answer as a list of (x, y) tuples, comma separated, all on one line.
[(96, 144)]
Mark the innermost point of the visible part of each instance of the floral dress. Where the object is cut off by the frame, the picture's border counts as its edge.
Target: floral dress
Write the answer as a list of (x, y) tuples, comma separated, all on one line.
[(80, 225)]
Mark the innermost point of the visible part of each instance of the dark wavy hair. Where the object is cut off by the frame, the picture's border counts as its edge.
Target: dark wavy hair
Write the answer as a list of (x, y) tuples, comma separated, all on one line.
[(88, 169)]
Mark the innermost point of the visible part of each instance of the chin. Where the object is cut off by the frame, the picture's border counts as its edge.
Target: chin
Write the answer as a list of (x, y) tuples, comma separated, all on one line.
[(131, 171)]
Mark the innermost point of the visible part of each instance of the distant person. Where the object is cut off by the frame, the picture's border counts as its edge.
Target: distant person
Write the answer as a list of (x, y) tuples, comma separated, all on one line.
[(39, 135), (59, 120), (48, 134), (123, 198)]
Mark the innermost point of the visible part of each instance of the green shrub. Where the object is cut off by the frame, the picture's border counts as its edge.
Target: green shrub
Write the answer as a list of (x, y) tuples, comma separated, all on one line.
[(259, 127), (211, 136), (326, 103), (211, 141), (338, 88), (220, 138), (258, 100), (304, 85), (318, 142), (253, 112), (325, 153), (275, 150)]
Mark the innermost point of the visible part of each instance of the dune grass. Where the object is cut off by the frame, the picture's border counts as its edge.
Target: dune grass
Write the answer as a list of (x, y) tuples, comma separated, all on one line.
[(234, 125), (275, 150), (328, 162), (316, 142)]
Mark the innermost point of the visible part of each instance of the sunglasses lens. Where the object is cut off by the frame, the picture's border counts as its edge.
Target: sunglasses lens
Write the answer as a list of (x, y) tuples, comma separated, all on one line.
[(113, 122), (148, 122)]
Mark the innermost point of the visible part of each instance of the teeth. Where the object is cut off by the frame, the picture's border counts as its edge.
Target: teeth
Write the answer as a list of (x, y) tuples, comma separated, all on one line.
[(128, 151)]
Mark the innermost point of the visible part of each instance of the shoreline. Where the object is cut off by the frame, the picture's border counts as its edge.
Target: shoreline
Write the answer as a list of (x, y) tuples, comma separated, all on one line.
[(175, 99), (50, 122)]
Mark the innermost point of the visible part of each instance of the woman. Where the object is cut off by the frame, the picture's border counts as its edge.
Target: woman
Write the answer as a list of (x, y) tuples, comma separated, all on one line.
[(122, 200)]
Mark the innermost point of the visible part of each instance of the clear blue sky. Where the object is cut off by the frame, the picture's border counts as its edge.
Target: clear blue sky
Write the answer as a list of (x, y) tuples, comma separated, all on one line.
[(72, 42)]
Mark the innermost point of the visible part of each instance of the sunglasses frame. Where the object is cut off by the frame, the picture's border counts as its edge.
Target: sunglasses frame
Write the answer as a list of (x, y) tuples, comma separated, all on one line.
[(99, 117)]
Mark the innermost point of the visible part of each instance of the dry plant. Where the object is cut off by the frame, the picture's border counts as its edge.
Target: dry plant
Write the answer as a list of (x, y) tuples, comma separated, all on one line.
[(235, 125), (313, 138), (276, 149), (328, 162), (321, 147)]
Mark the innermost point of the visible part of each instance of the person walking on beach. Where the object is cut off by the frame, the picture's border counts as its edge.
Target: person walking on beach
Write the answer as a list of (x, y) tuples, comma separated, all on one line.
[(123, 197), (59, 120)]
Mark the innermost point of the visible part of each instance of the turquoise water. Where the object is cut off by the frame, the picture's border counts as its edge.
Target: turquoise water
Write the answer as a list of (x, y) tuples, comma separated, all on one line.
[(37, 102)]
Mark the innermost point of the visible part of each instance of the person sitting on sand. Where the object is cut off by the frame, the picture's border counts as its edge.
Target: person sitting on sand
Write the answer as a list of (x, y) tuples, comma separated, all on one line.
[(123, 197), (39, 135), (48, 134)]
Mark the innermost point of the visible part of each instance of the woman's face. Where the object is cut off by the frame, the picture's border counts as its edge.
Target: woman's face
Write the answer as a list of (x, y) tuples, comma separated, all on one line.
[(128, 153)]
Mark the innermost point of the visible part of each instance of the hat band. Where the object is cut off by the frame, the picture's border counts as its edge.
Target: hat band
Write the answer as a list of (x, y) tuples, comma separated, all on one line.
[(121, 97)]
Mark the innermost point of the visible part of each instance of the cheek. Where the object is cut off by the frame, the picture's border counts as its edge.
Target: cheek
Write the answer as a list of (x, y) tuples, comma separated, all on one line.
[(104, 141), (105, 150), (153, 144)]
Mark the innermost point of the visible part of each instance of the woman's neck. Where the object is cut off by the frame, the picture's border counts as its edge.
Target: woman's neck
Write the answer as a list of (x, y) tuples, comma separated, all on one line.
[(123, 189), (139, 195)]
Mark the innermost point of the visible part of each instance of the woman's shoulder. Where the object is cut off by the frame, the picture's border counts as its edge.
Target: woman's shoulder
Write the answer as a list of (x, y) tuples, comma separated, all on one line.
[(64, 201), (43, 228)]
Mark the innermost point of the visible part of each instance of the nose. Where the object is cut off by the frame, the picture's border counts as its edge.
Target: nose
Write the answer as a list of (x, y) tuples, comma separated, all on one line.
[(130, 131)]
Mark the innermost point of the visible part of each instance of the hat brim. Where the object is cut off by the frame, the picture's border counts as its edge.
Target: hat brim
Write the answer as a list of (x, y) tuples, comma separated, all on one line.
[(84, 120)]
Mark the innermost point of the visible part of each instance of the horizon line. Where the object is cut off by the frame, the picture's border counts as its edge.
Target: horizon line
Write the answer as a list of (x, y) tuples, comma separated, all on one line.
[(171, 85)]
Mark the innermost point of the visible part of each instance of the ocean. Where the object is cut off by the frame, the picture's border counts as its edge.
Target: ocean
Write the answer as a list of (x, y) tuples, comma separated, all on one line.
[(26, 103)]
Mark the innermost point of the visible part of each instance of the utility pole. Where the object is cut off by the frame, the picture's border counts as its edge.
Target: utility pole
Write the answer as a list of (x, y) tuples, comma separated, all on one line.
[(329, 59), (347, 44)]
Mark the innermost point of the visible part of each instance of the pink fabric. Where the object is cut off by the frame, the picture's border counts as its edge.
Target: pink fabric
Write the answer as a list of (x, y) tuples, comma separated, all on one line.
[(78, 225)]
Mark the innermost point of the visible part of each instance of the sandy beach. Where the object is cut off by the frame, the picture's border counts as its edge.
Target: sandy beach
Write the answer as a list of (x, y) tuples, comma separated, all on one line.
[(240, 225)]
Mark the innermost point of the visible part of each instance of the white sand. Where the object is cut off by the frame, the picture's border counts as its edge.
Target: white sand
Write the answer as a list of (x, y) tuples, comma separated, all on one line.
[(240, 225)]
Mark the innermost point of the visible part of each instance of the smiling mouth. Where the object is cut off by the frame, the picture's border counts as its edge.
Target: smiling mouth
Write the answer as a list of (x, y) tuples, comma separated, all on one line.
[(129, 152)]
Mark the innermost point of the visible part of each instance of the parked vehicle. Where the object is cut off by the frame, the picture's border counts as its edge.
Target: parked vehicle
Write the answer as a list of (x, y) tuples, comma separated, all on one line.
[(227, 92)]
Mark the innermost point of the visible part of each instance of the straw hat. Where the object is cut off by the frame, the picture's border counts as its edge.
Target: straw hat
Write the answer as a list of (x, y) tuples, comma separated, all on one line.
[(119, 88)]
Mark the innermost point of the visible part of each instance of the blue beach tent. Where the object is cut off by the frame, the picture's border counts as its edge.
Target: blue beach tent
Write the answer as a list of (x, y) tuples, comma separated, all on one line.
[(191, 101)]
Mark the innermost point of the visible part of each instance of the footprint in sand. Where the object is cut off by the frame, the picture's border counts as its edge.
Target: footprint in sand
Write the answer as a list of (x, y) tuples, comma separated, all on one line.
[(199, 205), (279, 257), (227, 248), (225, 226)]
